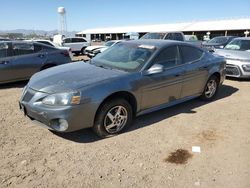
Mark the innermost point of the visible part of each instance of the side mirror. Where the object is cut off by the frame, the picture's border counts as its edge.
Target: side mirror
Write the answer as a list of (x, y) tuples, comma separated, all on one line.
[(156, 68)]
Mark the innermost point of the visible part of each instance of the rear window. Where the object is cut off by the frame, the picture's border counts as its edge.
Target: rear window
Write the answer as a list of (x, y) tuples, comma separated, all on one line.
[(190, 54), (22, 49), (3, 50)]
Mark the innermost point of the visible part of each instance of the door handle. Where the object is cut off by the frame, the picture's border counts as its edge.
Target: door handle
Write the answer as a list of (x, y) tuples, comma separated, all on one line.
[(4, 62)]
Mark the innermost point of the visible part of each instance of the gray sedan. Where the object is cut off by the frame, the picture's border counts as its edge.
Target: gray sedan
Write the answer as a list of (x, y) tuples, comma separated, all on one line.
[(129, 79), (19, 60)]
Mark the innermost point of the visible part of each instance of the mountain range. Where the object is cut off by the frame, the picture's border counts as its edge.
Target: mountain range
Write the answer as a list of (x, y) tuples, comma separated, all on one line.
[(37, 32)]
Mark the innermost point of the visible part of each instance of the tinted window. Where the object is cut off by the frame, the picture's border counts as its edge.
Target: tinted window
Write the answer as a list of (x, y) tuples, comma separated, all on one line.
[(68, 40), (22, 49), (169, 36), (178, 37), (3, 50), (78, 40), (190, 54), (38, 48), (45, 42), (169, 57)]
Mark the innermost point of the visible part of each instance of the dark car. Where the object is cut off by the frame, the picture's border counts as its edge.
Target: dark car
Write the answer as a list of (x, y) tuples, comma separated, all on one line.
[(179, 36), (19, 60), (129, 79), (217, 42)]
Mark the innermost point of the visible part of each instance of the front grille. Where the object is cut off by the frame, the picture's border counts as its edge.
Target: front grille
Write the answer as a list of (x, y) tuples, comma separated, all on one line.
[(232, 70), (28, 95)]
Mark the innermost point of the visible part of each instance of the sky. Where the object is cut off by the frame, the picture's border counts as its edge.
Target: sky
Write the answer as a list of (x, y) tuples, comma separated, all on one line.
[(86, 14)]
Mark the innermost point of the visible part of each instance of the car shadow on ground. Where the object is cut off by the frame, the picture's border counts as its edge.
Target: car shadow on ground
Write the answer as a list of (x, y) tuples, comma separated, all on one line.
[(19, 84), (87, 135), (238, 79)]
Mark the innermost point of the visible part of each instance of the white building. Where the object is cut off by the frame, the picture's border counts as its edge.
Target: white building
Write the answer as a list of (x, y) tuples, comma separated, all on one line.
[(236, 27)]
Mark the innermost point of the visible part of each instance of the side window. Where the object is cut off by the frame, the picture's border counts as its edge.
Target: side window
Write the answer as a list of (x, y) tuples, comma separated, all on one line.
[(67, 40), (78, 40), (190, 54), (3, 50), (22, 49), (169, 57), (178, 37), (38, 48), (169, 36)]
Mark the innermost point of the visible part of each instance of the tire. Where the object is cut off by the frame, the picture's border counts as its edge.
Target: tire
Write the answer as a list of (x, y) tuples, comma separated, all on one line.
[(82, 50), (108, 123), (211, 89)]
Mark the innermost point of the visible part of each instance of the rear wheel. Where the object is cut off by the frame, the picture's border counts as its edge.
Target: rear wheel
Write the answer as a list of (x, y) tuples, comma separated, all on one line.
[(211, 88), (82, 50), (113, 118)]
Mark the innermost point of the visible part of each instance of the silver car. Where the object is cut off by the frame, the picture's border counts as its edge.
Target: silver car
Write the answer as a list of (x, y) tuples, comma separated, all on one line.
[(19, 60), (237, 54), (129, 79)]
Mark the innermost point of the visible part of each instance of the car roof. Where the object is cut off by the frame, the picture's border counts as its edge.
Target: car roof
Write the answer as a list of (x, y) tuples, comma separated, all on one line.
[(159, 43)]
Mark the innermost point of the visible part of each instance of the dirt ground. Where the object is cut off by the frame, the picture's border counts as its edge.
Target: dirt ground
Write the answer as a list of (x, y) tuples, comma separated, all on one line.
[(154, 152)]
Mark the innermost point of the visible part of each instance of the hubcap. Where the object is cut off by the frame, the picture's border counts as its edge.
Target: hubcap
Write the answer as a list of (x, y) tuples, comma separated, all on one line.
[(211, 88), (115, 119)]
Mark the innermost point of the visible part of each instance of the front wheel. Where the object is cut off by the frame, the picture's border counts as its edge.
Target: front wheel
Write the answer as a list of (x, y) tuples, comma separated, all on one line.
[(113, 118), (211, 89)]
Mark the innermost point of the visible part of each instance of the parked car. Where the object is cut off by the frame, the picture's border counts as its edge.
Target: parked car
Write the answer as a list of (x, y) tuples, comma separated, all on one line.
[(50, 43), (237, 54), (129, 79), (19, 60), (77, 44), (165, 35), (92, 51), (217, 42), (179, 36), (193, 39)]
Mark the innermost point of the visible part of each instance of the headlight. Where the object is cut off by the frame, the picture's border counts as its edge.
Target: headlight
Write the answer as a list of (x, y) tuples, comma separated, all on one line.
[(23, 91), (63, 99), (246, 68)]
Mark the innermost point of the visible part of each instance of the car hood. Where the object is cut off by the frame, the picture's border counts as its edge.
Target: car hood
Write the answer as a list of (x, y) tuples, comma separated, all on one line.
[(70, 77), (234, 54)]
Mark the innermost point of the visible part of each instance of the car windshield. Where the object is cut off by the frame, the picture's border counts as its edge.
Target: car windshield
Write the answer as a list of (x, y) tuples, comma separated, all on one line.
[(109, 43), (153, 36), (128, 57), (218, 40), (239, 44)]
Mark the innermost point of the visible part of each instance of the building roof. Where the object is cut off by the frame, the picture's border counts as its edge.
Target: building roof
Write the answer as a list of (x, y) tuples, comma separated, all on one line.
[(216, 25)]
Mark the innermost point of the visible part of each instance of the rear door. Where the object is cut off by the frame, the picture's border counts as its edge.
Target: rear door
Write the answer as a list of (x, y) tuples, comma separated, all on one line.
[(196, 70), (163, 87), (28, 59), (6, 74)]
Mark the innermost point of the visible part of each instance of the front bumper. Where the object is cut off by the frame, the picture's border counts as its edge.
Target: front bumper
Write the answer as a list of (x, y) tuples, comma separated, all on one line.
[(234, 69), (61, 119)]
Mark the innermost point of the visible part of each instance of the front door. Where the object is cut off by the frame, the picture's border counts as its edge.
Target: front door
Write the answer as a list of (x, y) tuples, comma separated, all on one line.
[(163, 87)]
